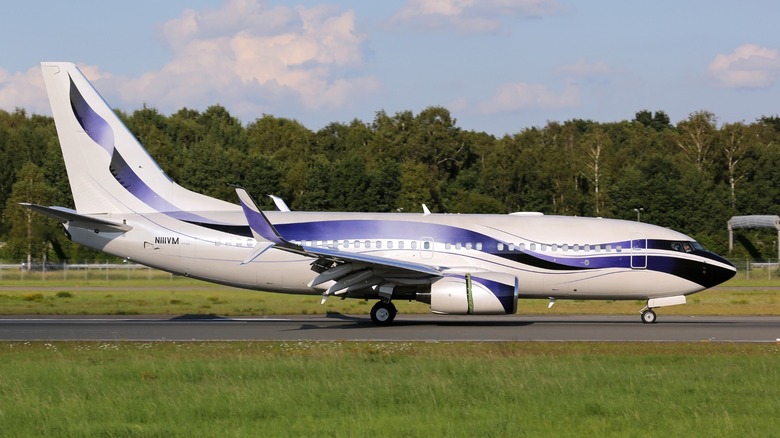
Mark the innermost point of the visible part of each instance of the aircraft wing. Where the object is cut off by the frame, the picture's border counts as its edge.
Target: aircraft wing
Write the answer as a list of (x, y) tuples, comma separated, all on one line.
[(79, 220), (350, 271)]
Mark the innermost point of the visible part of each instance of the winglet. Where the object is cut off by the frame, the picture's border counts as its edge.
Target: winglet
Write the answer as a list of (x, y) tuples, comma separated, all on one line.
[(426, 211), (280, 204), (259, 224), (262, 228)]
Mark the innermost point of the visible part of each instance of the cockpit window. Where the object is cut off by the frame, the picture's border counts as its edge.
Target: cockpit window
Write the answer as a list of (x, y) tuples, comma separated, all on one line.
[(685, 246)]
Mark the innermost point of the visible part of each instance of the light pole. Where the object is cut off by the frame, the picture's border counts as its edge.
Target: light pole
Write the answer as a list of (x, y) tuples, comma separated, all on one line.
[(638, 212)]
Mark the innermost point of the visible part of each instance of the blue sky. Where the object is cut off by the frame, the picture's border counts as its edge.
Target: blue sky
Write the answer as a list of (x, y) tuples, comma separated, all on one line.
[(499, 66)]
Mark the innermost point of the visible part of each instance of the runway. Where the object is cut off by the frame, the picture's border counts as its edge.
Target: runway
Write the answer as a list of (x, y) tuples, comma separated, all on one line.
[(429, 328)]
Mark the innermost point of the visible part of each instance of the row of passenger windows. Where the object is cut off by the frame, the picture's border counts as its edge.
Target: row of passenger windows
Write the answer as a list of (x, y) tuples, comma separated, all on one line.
[(428, 245), (368, 244), (247, 242), (560, 247)]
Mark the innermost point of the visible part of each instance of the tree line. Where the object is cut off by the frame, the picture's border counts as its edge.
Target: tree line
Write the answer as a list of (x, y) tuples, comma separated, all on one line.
[(692, 176)]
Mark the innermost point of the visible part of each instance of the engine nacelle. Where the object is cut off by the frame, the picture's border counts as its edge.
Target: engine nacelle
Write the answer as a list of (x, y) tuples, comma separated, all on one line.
[(485, 293)]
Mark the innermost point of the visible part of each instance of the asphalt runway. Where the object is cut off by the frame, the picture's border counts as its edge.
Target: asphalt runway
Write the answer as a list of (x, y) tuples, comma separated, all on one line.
[(430, 328)]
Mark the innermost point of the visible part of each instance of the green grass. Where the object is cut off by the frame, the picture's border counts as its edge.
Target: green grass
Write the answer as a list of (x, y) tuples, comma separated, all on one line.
[(388, 389), (127, 292)]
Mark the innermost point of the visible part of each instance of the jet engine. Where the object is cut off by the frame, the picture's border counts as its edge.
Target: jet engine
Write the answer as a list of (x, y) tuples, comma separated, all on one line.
[(485, 293)]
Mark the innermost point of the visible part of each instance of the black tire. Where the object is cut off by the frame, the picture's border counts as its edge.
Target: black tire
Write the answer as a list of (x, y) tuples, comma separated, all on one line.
[(383, 313), (648, 317)]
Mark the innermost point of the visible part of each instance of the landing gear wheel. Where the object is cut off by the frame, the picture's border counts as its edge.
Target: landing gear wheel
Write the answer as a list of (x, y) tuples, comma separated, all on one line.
[(648, 316), (383, 313)]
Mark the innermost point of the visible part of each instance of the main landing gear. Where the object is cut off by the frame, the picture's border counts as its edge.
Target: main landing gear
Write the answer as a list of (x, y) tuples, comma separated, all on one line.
[(383, 312)]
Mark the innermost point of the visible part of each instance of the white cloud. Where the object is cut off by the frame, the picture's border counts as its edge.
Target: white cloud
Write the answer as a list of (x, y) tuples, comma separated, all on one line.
[(252, 56), (469, 16), (520, 96), (23, 90), (749, 66)]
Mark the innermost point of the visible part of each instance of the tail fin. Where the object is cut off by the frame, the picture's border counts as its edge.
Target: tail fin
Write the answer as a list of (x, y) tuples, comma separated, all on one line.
[(108, 169)]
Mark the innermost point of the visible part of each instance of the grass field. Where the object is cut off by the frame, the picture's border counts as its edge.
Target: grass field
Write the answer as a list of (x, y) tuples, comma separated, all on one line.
[(133, 389), (388, 389), (121, 292)]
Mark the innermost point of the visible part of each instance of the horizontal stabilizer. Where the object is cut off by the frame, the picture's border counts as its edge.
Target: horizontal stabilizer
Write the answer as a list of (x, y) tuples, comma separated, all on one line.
[(79, 220)]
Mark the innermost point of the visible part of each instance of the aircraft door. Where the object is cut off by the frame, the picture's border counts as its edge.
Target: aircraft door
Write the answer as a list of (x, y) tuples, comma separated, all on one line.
[(638, 251)]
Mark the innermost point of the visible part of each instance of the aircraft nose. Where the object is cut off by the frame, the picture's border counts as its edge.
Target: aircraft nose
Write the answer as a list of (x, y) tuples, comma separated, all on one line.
[(715, 274)]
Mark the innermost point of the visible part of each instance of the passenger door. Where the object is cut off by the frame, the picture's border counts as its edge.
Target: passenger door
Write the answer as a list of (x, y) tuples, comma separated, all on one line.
[(638, 251)]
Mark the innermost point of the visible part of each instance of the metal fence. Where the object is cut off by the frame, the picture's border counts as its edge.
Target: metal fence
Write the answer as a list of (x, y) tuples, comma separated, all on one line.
[(76, 271), (753, 270)]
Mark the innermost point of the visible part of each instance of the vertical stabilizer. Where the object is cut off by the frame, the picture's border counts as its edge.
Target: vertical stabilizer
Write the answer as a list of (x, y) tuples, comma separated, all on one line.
[(108, 169)]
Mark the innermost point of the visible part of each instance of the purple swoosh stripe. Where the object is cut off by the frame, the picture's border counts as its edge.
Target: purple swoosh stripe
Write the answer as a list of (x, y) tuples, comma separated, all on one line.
[(101, 133), (96, 128)]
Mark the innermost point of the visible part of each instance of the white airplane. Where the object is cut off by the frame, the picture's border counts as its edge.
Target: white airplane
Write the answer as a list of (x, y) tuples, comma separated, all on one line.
[(458, 263)]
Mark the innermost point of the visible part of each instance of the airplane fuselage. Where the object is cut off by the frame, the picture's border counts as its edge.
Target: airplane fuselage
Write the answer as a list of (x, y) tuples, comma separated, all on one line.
[(554, 256)]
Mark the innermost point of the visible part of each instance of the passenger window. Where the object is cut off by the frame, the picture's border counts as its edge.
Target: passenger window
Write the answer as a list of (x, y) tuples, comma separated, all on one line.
[(389, 244), (378, 244), (500, 246), (401, 244), (426, 245), (479, 246), (533, 247), (521, 247), (414, 244)]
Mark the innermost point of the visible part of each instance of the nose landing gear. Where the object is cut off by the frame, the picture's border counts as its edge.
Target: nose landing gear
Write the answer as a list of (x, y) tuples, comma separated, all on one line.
[(648, 316)]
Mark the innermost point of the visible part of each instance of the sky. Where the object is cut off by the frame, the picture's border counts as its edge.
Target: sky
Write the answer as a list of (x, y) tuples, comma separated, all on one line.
[(498, 66)]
